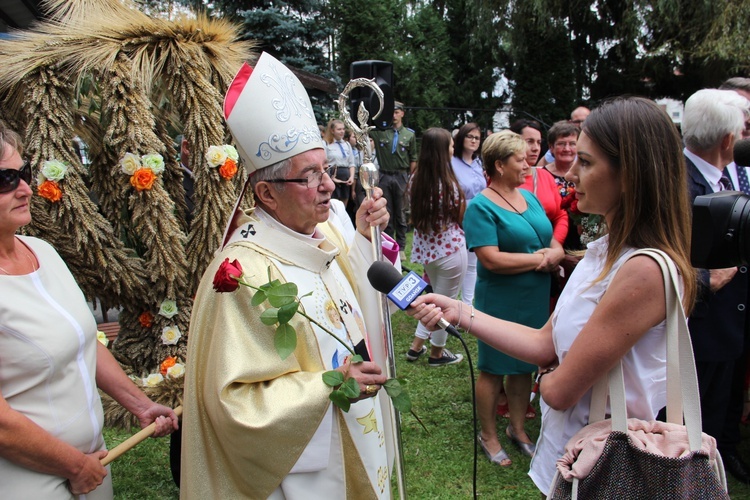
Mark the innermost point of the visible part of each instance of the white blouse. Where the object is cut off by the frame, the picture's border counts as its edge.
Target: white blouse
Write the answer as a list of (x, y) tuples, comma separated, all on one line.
[(48, 368), (644, 366)]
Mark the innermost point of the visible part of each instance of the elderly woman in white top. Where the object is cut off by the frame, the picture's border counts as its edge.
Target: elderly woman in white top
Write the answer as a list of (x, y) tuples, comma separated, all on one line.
[(51, 362), (630, 171)]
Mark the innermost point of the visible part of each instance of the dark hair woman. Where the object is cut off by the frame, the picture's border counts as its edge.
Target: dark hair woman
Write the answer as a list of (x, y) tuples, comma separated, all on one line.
[(437, 210)]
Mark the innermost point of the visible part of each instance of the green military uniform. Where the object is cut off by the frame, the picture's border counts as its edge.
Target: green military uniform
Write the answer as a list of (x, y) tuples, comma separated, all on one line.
[(395, 149)]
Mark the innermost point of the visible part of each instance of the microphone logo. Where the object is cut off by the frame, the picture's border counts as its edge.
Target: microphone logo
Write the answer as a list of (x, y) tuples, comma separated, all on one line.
[(408, 289)]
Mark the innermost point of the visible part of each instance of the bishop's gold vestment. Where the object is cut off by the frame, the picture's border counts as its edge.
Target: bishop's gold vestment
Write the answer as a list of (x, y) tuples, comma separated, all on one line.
[(250, 416)]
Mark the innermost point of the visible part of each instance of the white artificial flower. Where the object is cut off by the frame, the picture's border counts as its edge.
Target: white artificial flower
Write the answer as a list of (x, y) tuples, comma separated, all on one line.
[(54, 170), (168, 308), (130, 163), (231, 152), (153, 380), (102, 337), (176, 371), (170, 335), (216, 156), (153, 161)]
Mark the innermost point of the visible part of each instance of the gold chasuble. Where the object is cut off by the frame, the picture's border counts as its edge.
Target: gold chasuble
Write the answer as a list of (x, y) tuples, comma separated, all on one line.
[(256, 426)]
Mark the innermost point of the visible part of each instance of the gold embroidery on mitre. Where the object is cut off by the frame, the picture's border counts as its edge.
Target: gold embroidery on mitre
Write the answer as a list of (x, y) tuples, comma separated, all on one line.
[(381, 439), (369, 422)]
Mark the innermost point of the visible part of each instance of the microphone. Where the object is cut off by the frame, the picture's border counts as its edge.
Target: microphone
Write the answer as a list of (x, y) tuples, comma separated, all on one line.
[(401, 290), (742, 153)]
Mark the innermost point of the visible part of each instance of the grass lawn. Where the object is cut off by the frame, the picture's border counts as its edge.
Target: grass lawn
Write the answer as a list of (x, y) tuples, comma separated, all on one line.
[(438, 462)]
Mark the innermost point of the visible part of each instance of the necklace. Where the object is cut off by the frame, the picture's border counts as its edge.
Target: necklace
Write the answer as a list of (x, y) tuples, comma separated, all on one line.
[(31, 261), (505, 200)]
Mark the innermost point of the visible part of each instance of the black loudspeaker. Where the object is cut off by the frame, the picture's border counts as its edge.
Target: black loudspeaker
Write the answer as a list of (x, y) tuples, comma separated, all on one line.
[(382, 72)]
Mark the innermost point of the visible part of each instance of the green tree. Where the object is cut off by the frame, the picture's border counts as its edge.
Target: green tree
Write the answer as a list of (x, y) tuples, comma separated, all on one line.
[(296, 34), (425, 69), (681, 43), (543, 76), (478, 58), (366, 30)]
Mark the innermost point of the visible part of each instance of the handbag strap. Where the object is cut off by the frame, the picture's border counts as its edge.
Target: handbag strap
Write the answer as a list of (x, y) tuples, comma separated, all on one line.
[(682, 382)]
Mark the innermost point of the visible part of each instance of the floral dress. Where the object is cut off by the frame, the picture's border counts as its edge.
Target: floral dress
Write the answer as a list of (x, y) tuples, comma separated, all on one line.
[(431, 246)]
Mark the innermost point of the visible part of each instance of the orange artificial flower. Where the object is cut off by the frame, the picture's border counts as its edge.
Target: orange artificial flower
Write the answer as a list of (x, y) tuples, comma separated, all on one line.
[(50, 190), (228, 169), (143, 179), (146, 319), (167, 364)]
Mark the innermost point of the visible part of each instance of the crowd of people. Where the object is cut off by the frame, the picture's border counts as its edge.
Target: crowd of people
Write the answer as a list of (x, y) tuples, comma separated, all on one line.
[(522, 250), (527, 221)]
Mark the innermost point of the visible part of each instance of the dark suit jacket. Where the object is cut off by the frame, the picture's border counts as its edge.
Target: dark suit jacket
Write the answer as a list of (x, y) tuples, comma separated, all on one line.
[(717, 324)]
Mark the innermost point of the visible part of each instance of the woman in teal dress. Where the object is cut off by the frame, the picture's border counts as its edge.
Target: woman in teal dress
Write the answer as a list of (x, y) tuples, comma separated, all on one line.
[(509, 231)]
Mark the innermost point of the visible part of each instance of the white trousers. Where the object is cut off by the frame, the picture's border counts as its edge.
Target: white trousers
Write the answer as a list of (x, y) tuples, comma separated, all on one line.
[(446, 275), (470, 279)]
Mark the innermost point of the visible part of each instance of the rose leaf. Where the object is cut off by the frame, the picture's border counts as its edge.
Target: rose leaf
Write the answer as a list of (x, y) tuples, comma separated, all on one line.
[(392, 387), (333, 378), (270, 316), (350, 387), (285, 340), (340, 400), (258, 298), (287, 312)]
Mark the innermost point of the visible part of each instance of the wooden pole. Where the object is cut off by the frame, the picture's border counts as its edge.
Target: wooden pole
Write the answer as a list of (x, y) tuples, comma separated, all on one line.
[(133, 440)]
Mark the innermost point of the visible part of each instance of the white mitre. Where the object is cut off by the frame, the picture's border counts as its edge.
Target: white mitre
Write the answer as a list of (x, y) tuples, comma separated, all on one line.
[(269, 114)]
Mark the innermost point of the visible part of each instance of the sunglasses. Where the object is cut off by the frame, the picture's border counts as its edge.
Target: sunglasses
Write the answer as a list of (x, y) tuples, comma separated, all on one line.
[(11, 177)]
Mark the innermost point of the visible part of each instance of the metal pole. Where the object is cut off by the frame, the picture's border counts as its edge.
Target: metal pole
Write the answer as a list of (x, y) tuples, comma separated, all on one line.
[(368, 176)]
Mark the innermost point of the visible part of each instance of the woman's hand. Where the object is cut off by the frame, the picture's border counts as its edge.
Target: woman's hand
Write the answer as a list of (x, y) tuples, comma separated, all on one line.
[(430, 308), (89, 475), (551, 258), (350, 181), (164, 417), (372, 212)]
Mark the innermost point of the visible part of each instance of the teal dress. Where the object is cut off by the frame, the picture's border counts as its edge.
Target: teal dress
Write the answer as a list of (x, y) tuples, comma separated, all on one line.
[(522, 298)]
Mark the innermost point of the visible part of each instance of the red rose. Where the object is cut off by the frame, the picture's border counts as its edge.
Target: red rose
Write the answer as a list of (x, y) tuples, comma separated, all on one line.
[(228, 275)]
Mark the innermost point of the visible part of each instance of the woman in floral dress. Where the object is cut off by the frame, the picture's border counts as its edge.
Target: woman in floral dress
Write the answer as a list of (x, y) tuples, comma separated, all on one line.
[(437, 209)]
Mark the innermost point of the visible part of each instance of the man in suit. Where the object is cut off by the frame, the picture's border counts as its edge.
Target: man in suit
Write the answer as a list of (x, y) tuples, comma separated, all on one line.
[(712, 121)]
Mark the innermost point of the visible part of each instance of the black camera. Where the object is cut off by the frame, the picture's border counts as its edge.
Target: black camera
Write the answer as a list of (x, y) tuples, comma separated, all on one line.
[(721, 230), (721, 224)]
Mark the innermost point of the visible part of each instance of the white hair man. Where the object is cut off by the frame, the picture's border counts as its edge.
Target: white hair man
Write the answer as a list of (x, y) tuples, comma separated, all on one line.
[(257, 425), (712, 120)]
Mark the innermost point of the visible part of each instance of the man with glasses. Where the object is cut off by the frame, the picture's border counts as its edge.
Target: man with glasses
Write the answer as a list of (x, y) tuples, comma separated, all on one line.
[(257, 425)]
